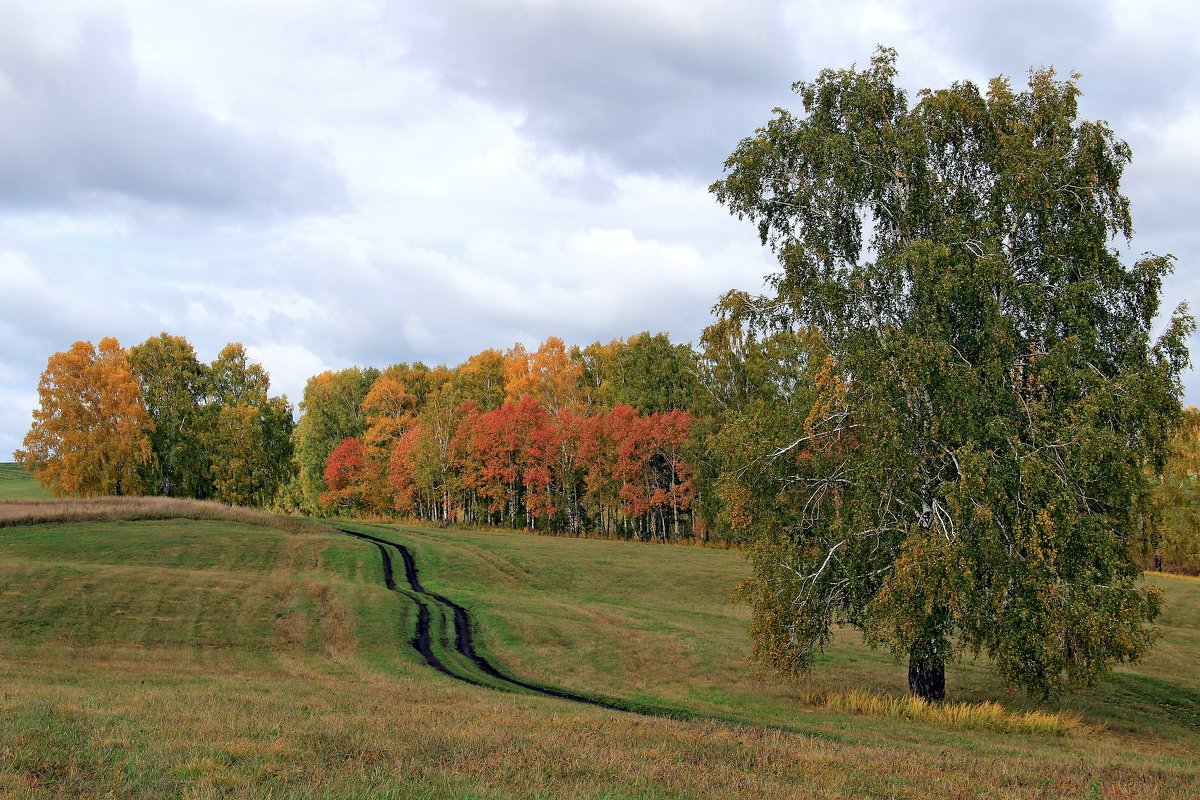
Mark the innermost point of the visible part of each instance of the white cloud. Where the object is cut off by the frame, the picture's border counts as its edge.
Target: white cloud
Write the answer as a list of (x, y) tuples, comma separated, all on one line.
[(16, 415), (290, 367), (509, 170)]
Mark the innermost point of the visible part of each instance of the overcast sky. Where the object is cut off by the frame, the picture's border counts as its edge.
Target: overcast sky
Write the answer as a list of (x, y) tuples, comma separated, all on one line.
[(339, 182)]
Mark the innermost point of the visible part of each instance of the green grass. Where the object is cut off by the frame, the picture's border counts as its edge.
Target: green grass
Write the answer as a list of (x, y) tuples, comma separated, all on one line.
[(17, 484), (209, 658), (656, 622)]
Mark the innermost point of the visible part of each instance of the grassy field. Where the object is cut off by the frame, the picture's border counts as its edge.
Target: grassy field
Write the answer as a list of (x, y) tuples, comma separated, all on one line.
[(17, 484), (212, 658)]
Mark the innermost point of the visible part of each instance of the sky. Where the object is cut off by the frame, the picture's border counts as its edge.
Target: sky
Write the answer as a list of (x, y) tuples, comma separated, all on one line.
[(343, 182)]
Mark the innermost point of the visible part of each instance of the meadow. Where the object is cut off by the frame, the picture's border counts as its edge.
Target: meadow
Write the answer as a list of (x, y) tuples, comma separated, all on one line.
[(187, 654)]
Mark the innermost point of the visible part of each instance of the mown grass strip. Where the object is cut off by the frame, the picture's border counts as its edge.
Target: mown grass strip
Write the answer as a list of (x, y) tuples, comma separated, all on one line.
[(17, 484)]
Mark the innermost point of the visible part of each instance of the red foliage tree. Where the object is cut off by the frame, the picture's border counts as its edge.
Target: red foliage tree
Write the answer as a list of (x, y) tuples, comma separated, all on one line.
[(491, 454), (635, 448), (344, 474), (599, 445), (674, 489), (557, 470), (400, 471), (465, 459), (654, 481)]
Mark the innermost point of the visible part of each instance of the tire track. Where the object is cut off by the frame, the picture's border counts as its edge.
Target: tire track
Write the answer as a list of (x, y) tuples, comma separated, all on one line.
[(465, 645), (423, 641), (463, 640)]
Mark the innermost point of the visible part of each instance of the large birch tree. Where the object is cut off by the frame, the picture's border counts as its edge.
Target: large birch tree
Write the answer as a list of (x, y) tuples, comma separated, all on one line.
[(990, 410)]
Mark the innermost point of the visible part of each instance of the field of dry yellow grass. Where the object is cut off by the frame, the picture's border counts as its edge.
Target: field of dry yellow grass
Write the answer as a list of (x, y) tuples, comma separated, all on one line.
[(193, 652)]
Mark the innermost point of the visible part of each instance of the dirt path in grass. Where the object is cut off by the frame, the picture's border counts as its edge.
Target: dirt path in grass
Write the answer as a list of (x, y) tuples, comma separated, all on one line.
[(463, 641), (465, 645), (423, 641)]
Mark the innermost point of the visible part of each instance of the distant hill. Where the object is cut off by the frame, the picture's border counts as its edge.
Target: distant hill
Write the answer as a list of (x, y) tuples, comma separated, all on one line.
[(17, 484)]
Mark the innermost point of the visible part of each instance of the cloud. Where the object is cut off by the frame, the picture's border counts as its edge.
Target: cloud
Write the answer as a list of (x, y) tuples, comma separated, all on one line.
[(84, 128), (16, 415), (517, 168), (289, 365), (658, 88), (669, 88)]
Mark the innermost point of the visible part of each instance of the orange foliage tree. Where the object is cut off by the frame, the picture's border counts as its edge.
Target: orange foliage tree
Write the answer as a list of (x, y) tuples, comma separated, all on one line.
[(515, 439), (90, 434), (400, 471), (548, 375), (390, 409), (599, 452)]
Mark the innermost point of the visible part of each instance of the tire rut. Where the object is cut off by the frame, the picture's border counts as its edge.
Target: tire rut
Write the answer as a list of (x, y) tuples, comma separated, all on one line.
[(465, 645), (463, 640), (423, 641)]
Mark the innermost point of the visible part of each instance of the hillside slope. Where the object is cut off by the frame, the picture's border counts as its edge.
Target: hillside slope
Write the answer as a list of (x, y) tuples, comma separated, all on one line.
[(217, 658)]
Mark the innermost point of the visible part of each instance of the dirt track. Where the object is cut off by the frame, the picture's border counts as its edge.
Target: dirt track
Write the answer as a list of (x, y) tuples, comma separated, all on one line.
[(423, 641), (463, 642)]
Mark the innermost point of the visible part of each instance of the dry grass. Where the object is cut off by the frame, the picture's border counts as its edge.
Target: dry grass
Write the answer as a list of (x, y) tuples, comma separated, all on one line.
[(101, 509), (985, 716), (130, 723)]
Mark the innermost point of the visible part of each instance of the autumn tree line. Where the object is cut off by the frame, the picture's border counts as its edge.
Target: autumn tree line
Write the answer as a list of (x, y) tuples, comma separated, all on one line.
[(155, 420), (609, 439), (572, 440), (637, 438)]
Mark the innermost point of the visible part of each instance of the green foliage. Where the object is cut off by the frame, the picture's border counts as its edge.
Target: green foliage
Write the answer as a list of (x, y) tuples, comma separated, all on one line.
[(251, 450), (218, 434), (175, 385), (977, 458), (755, 385), (234, 381), (248, 433), (333, 411), (746, 357), (644, 371), (480, 379)]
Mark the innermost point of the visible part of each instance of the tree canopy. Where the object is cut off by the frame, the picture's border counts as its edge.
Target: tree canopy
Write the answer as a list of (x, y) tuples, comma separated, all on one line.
[(175, 387), (156, 420), (988, 408), (333, 411), (1177, 495), (90, 434)]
